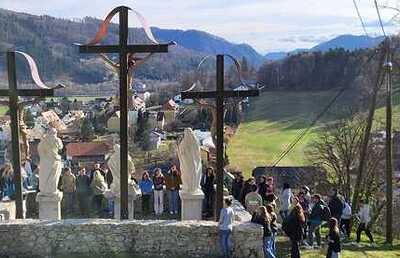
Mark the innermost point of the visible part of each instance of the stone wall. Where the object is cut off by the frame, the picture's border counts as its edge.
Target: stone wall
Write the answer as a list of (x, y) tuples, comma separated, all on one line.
[(39, 238)]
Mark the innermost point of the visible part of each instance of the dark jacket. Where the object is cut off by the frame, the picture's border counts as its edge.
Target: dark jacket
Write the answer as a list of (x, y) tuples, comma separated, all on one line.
[(237, 186), (262, 190), (207, 183), (333, 243), (336, 206), (316, 211), (158, 183), (261, 221), (82, 184)]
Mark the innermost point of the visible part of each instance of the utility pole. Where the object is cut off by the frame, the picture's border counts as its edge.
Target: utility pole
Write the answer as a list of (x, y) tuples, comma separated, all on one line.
[(389, 163)]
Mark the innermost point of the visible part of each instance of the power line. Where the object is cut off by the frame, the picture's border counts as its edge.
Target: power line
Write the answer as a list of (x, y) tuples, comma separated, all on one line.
[(321, 114), (380, 18), (306, 130), (361, 19)]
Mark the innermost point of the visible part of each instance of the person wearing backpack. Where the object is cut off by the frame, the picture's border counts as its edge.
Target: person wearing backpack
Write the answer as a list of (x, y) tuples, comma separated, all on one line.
[(317, 215)]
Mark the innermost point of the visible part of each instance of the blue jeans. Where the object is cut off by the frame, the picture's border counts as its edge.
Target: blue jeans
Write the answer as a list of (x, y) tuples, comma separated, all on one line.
[(273, 239), (268, 247), (173, 200), (224, 240)]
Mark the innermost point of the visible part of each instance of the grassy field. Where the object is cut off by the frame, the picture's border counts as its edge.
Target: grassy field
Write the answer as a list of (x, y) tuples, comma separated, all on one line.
[(348, 251), (276, 118)]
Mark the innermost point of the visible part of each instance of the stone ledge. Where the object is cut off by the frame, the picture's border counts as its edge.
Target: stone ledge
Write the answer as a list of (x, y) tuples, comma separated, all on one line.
[(169, 238)]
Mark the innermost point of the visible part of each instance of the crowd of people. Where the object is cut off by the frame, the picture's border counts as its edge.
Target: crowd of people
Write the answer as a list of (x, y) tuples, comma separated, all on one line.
[(156, 186), (302, 215), (29, 176)]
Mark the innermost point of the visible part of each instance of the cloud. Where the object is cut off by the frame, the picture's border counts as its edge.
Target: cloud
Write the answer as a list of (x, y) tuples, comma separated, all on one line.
[(265, 24)]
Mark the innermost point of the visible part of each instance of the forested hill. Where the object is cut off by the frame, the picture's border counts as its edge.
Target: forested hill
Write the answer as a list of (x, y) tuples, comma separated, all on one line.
[(317, 70), (49, 40)]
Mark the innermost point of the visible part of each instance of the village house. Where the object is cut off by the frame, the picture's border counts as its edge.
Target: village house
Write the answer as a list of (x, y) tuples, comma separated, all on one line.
[(87, 153)]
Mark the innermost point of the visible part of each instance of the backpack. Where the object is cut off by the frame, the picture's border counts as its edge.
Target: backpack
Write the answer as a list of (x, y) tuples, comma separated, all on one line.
[(325, 213)]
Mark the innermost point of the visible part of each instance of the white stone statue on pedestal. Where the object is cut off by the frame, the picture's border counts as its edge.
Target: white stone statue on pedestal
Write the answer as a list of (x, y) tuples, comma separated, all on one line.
[(50, 165), (189, 154), (114, 193)]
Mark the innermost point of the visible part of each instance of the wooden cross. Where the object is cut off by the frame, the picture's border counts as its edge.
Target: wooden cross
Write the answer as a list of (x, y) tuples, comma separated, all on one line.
[(123, 49), (13, 93), (219, 95)]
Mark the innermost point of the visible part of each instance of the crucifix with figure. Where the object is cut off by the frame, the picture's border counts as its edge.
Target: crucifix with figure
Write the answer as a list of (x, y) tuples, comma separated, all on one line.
[(220, 95), (15, 112), (126, 59)]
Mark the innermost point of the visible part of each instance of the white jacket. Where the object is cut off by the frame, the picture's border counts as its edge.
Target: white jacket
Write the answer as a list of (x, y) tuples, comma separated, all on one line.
[(364, 214), (286, 199), (346, 214)]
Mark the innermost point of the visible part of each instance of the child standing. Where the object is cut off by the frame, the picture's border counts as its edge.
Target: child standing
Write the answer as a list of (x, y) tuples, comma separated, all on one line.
[(334, 247)]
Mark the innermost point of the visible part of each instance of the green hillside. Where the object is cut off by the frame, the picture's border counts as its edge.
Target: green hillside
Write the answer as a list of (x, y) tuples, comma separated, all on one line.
[(274, 120)]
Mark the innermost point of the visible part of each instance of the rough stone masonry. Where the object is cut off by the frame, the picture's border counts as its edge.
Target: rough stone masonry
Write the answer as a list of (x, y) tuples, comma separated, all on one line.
[(153, 238)]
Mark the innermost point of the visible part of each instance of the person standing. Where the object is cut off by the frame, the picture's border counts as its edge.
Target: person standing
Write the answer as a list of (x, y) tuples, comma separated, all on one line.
[(83, 191), (262, 188), (146, 187), (253, 200), (333, 237), (346, 219), (262, 217), (98, 186), (159, 182), (207, 186), (336, 205), (315, 220), (365, 218), (293, 227), (306, 208), (246, 189), (237, 186), (225, 227), (274, 226), (68, 188), (286, 200), (172, 184)]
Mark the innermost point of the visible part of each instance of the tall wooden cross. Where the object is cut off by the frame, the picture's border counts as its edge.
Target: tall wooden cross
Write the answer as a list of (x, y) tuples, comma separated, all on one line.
[(14, 93), (219, 95), (123, 49)]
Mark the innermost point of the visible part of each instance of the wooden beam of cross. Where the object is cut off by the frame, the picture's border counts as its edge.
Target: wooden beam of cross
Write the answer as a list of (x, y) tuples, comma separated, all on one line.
[(14, 93), (123, 49), (220, 95)]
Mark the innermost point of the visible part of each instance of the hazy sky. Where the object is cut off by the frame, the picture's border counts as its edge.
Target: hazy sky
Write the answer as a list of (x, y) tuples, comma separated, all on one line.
[(267, 25)]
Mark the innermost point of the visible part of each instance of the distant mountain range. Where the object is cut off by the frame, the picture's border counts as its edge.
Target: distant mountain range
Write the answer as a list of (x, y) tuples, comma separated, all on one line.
[(50, 41), (347, 42)]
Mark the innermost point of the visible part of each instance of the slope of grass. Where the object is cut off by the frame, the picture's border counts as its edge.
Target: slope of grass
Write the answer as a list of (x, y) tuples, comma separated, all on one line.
[(273, 122), (348, 250)]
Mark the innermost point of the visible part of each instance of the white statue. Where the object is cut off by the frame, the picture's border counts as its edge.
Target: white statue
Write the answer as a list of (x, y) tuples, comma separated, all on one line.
[(114, 166), (50, 162), (190, 162)]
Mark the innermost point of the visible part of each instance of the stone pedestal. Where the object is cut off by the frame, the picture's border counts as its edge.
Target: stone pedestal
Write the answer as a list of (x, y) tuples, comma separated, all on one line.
[(191, 205), (133, 194), (49, 205)]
